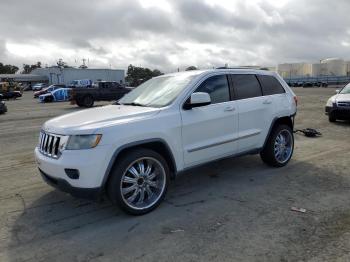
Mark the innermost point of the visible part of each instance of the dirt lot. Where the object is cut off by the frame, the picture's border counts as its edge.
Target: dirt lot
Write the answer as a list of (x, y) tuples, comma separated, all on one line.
[(232, 210)]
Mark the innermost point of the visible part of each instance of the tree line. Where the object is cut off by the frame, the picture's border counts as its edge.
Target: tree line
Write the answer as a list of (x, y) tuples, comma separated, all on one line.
[(135, 75), (27, 68)]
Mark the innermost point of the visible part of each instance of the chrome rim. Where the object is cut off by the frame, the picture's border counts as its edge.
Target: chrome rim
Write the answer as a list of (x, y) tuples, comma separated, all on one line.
[(283, 146), (143, 183)]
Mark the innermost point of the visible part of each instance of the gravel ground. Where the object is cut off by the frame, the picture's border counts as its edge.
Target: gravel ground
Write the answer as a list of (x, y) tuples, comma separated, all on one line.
[(233, 210)]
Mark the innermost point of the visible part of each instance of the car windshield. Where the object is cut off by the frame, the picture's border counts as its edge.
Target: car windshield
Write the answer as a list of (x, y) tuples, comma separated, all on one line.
[(346, 89), (158, 92)]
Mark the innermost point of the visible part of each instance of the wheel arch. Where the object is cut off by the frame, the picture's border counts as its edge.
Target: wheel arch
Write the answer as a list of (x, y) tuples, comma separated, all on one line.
[(158, 145), (285, 120)]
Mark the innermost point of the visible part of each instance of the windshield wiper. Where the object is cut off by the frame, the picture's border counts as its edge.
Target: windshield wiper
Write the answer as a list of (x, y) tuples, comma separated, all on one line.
[(133, 104)]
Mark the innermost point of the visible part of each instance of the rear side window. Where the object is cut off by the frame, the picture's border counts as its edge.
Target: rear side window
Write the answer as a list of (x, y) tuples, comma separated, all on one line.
[(217, 88), (245, 86), (270, 85)]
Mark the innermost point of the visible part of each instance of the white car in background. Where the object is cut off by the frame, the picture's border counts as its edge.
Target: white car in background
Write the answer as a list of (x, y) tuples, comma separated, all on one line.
[(338, 106), (38, 86), (165, 126)]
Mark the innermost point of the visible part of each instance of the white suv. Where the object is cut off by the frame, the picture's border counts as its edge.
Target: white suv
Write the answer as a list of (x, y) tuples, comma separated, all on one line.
[(169, 124)]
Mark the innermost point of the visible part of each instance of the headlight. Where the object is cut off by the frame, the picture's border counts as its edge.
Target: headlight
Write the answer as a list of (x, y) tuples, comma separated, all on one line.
[(82, 142), (330, 102)]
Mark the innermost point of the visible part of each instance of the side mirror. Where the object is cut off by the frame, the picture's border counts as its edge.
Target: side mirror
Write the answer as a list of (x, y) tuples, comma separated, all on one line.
[(197, 99), (337, 91)]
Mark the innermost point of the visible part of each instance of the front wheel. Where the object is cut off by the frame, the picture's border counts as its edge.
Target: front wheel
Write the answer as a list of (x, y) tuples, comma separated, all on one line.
[(331, 118), (139, 181), (279, 147)]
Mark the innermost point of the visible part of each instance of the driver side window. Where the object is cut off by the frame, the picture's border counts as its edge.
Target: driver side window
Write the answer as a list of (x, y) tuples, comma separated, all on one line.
[(217, 88)]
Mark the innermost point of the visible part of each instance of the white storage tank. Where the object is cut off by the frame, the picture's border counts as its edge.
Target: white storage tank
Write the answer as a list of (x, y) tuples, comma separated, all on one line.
[(334, 66), (347, 68), (294, 69)]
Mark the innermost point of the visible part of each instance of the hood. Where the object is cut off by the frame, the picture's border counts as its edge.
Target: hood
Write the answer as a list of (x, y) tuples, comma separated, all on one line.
[(88, 121), (342, 97)]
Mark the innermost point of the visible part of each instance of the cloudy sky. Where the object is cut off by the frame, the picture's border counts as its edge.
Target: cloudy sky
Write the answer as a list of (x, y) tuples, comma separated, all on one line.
[(169, 34)]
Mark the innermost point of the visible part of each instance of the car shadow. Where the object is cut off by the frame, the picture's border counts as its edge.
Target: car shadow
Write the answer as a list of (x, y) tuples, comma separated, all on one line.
[(235, 190), (342, 123)]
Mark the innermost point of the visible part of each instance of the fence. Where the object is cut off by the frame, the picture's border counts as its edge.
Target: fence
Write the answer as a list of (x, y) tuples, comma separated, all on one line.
[(319, 80)]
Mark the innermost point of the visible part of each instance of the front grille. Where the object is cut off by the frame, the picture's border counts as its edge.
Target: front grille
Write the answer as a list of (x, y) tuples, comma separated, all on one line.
[(49, 144), (343, 103)]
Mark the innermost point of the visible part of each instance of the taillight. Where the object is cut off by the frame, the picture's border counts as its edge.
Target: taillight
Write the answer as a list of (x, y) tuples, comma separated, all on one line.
[(296, 100)]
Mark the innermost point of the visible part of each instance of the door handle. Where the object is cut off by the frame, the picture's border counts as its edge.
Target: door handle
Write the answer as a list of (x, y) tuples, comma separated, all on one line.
[(267, 102), (229, 108)]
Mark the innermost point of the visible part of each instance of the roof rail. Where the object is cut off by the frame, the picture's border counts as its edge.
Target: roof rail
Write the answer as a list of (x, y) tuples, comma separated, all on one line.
[(242, 67)]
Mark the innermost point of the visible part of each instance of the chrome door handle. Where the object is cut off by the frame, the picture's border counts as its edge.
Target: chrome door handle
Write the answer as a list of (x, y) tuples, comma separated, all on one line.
[(229, 108), (267, 102)]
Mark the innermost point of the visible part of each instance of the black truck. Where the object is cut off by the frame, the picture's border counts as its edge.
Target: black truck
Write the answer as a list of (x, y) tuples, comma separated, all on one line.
[(100, 91)]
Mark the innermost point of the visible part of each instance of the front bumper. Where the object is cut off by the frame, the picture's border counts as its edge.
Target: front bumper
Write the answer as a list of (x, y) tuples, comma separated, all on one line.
[(337, 112), (63, 185), (91, 164)]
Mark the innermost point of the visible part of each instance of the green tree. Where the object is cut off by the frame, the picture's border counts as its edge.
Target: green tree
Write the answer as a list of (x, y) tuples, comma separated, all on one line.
[(8, 69), (27, 69), (62, 64), (137, 75)]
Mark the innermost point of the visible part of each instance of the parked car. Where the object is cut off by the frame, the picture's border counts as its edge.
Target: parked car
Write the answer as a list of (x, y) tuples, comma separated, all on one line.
[(3, 107), (338, 106), (83, 83), (100, 91), (27, 87), (165, 126), (11, 95), (58, 95), (38, 86), (308, 84), (47, 90)]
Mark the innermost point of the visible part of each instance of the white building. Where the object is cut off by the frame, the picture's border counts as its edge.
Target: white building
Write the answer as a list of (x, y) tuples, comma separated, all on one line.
[(57, 75), (326, 67)]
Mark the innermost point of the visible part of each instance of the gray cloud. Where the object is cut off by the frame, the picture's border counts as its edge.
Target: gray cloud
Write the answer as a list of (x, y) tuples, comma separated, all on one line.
[(120, 32)]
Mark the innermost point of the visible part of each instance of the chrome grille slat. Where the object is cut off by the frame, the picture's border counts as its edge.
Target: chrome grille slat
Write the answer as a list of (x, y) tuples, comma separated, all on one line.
[(46, 142), (49, 144), (43, 143)]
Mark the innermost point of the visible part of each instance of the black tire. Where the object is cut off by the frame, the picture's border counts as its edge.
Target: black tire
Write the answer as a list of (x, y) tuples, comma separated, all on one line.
[(114, 186), (268, 153), (88, 101), (332, 118), (3, 109), (49, 99), (79, 103)]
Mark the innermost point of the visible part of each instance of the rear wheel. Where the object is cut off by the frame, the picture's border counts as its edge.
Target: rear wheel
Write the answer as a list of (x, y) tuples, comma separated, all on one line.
[(139, 181), (88, 101), (279, 147)]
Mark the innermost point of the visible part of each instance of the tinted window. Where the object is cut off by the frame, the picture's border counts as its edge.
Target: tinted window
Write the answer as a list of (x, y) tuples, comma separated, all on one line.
[(270, 85), (246, 86), (217, 88)]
